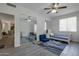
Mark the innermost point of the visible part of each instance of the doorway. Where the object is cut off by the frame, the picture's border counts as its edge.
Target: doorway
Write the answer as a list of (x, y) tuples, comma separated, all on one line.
[(7, 25)]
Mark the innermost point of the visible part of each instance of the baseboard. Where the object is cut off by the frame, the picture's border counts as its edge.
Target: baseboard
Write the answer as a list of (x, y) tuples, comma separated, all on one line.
[(75, 41)]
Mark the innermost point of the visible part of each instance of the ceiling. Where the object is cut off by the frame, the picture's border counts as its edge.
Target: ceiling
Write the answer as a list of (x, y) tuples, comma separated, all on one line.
[(38, 7)]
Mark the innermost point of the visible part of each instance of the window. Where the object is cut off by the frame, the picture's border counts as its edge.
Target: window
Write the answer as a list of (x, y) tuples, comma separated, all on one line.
[(68, 24), (45, 26), (35, 28)]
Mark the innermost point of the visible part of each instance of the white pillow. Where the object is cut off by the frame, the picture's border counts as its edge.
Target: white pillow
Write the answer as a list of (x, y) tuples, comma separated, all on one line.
[(52, 34)]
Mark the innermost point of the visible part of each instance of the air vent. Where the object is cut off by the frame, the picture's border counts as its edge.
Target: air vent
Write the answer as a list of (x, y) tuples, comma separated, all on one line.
[(11, 5)]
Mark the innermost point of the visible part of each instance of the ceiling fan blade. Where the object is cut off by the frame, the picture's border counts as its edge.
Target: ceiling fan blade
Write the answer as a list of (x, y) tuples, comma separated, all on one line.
[(52, 3), (48, 12), (47, 8), (62, 7)]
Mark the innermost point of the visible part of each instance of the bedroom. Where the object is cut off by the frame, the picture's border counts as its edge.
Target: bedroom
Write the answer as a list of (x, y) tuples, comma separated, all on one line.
[(58, 23)]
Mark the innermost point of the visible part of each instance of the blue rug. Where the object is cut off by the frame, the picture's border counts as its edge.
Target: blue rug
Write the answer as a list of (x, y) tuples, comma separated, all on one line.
[(53, 46)]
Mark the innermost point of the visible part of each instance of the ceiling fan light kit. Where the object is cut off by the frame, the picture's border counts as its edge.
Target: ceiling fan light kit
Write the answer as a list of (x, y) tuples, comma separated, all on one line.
[(54, 7), (54, 11)]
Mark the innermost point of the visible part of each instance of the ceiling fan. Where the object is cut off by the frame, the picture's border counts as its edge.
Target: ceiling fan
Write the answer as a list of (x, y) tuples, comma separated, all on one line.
[(54, 8)]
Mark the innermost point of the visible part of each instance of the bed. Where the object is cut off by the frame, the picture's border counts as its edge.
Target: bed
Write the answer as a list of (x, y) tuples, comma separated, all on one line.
[(65, 38)]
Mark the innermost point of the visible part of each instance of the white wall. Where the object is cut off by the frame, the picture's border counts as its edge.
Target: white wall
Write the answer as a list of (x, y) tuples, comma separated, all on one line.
[(17, 31), (26, 27), (49, 24), (23, 12), (55, 25)]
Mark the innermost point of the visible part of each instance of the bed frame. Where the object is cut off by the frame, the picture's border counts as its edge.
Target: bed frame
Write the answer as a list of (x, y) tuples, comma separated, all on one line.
[(62, 38)]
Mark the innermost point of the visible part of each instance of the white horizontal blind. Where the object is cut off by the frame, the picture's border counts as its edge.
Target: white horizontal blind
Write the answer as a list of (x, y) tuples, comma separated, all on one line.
[(62, 25), (68, 24)]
